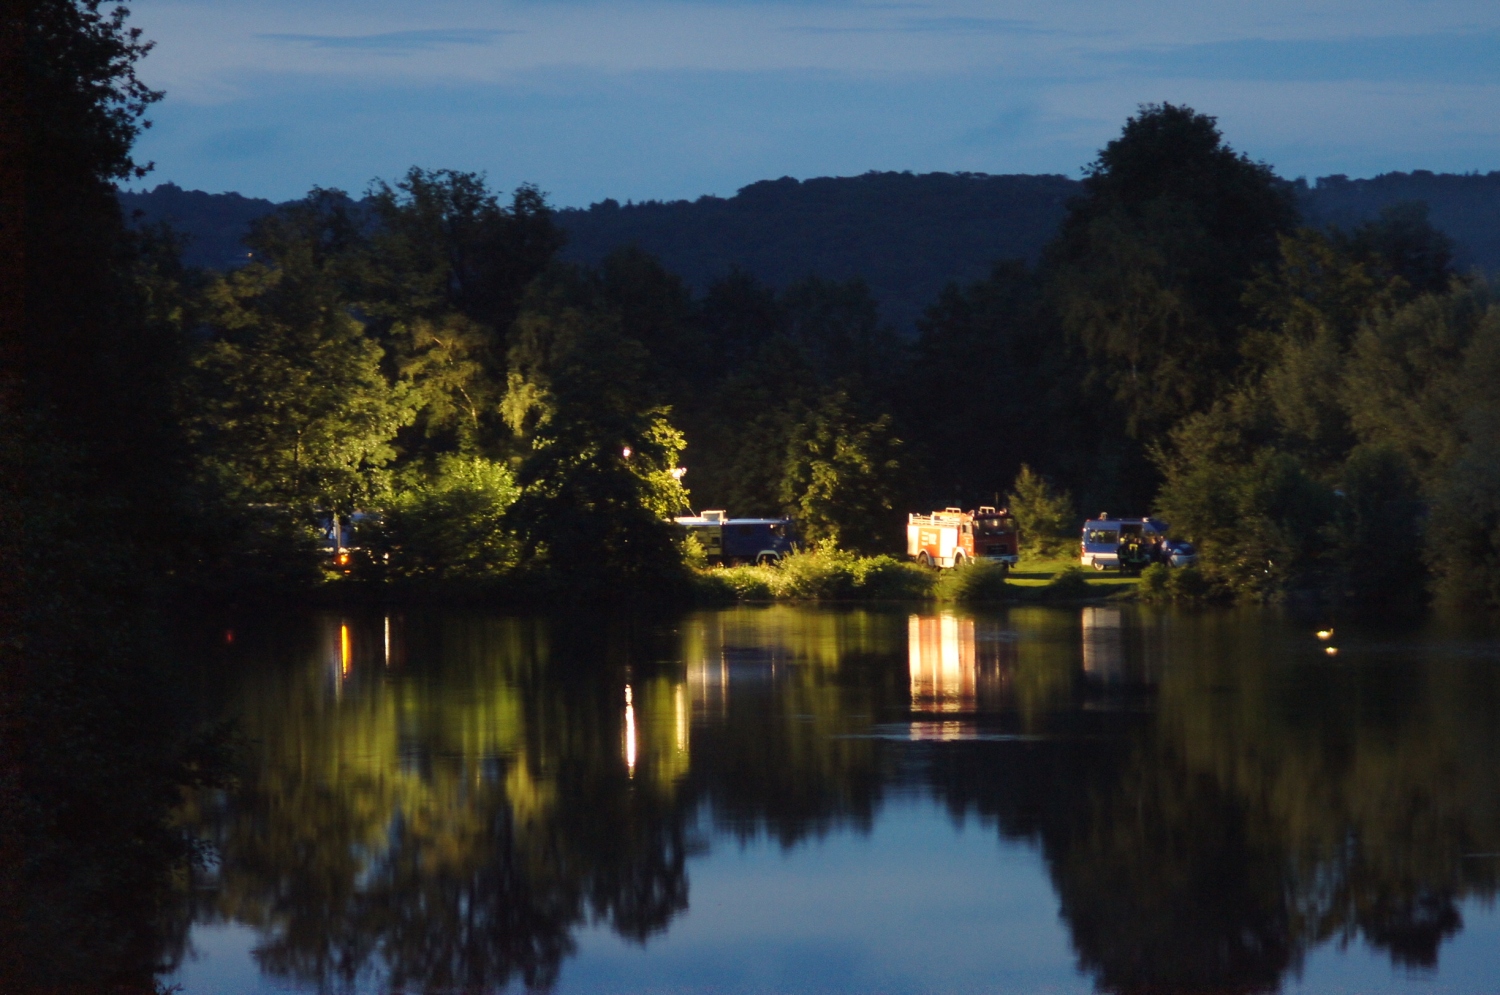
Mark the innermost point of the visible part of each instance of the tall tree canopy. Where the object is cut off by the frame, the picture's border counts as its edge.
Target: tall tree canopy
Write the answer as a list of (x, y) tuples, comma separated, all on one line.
[(1150, 265)]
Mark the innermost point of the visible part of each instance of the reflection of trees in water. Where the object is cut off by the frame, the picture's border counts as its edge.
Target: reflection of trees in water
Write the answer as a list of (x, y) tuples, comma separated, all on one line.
[(448, 825), (1268, 806), (787, 693), (450, 819)]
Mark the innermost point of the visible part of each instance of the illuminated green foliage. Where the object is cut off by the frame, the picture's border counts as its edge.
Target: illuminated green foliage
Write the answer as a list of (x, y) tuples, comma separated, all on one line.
[(1046, 517), (843, 478)]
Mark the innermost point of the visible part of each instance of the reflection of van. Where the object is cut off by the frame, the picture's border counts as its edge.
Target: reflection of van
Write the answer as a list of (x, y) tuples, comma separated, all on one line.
[(1102, 538)]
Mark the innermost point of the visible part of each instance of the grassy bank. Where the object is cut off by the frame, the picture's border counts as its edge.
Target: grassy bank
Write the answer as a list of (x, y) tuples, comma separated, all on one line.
[(832, 575)]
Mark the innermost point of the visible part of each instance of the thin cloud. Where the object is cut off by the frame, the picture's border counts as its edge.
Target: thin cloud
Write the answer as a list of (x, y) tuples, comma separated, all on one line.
[(1471, 57), (940, 25), (398, 41)]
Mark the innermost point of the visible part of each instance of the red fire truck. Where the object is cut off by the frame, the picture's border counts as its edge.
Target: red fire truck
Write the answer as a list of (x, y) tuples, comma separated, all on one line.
[(953, 537)]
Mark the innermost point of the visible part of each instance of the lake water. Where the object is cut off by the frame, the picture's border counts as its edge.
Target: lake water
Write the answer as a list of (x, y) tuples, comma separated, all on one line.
[(815, 800)]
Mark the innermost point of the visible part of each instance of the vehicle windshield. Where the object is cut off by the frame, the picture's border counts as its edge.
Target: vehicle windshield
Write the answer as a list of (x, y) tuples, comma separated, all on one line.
[(996, 526)]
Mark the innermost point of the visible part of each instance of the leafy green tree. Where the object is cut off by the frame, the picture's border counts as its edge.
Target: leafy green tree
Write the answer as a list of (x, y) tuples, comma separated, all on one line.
[(1045, 515), (844, 478), (1149, 267), (1326, 286), (1378, 525), (452, 389), (440, 281), (1406, 385), (1257, 517), (1463, 479), (445, 243), (597, 476), (292, 405)]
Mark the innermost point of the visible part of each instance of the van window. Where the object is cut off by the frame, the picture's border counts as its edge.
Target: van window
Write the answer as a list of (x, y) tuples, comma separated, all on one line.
[(1102, 537)]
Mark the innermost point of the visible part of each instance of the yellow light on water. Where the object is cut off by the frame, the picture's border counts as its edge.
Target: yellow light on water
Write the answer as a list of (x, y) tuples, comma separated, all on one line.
[(344, 650), (629, 731), (679, 701)]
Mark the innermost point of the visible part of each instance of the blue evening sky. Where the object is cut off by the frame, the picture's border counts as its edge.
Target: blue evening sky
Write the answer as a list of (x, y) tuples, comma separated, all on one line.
[(638, 99)]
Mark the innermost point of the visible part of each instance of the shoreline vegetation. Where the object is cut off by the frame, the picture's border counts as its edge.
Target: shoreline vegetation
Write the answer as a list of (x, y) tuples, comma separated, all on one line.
[(821, 576), (831, 576)]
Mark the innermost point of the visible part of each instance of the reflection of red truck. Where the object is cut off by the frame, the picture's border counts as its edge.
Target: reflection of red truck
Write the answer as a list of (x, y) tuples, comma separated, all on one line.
[(953, 537)]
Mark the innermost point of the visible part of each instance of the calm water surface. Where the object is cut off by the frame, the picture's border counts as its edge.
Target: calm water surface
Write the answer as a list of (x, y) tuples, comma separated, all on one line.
[(786, 799)]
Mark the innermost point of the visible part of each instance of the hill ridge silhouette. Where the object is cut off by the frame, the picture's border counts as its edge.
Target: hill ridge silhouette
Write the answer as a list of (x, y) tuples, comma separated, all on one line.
[(906, 234)]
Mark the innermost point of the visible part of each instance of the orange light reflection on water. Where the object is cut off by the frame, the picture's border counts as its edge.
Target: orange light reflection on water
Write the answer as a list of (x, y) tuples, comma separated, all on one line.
[(942, 662)]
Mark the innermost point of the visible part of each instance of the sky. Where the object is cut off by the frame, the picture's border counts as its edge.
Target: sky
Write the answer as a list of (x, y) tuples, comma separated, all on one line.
[(667, 99)]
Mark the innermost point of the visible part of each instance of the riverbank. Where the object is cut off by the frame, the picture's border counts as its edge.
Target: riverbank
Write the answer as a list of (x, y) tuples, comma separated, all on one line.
[(825, 576), (837, 576)]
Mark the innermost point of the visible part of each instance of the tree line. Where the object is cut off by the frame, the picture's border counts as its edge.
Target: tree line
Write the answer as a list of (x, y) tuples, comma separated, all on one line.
[(1306, 404)]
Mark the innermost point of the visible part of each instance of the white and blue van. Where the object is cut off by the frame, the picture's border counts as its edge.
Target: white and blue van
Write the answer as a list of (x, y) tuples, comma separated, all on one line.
[(1102, 536)]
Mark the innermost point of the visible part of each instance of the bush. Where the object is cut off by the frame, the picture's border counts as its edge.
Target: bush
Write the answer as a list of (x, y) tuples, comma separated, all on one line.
[(819, 574), (1188, 584), (448, 525), (824, 574), (1156, 583), (1259, 519), (1161, 583), (732, 584), (981, 581), (1068, 585), (887, 578)]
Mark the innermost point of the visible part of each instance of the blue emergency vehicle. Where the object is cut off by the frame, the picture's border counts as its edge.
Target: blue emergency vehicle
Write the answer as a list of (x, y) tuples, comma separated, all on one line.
[(740, 540), (1123, 544)]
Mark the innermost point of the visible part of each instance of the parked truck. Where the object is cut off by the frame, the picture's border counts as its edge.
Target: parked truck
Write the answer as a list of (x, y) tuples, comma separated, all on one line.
[(954, 537), (731, 541)]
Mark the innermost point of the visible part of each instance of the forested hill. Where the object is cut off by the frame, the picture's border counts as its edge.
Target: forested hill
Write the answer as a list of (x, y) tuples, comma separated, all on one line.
[(907, 235)]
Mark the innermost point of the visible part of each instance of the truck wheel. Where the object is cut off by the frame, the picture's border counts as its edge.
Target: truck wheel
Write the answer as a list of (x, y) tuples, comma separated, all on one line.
[(766, 560), (1098, 566), (923, 560), (1005, 569), (959, 560)]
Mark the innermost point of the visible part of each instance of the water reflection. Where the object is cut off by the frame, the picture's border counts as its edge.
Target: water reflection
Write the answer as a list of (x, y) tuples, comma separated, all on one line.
[(1211, 797), (1103, 645)]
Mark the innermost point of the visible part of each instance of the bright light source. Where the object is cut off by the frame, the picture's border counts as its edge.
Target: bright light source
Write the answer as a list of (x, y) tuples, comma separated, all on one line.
[(629, 732), (625, 452)]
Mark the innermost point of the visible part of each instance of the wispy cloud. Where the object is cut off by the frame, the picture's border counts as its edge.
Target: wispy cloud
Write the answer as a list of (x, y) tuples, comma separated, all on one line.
[(398, 41), (1469, 57), (938, 25)]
